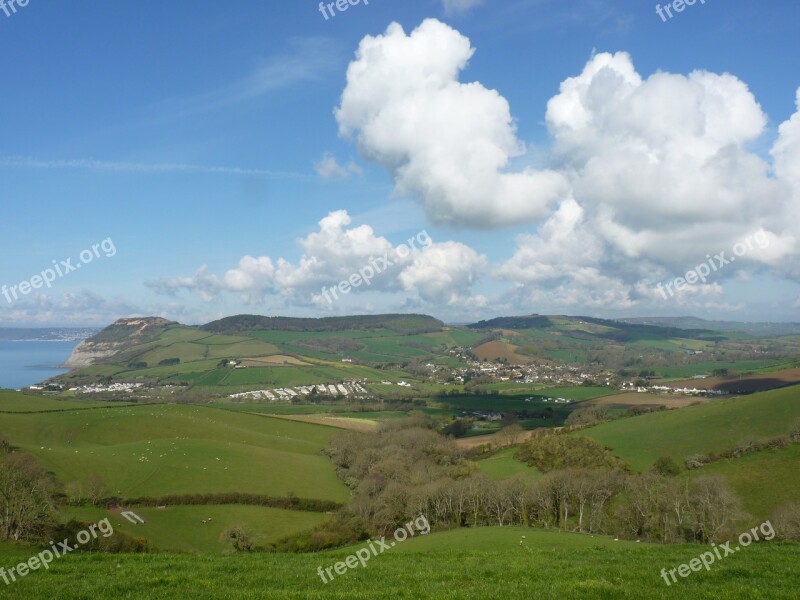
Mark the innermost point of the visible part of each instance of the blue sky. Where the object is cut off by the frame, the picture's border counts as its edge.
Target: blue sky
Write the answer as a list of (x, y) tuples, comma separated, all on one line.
[(197, 134)]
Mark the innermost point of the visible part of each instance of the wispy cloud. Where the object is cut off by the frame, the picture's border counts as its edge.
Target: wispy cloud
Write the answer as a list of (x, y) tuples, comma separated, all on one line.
[(136, 167), (308, 60), (455, 7), (329, 168)]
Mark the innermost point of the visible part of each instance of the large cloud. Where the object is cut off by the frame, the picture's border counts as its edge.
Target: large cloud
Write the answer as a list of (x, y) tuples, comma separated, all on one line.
[(418, 267), (444, 272), (663, 163), (663, 179), (651, 176), (446, 143)]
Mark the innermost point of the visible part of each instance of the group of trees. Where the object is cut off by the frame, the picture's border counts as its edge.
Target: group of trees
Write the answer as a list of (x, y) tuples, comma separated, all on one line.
[(27, 496), (407, 469), (553, 452)]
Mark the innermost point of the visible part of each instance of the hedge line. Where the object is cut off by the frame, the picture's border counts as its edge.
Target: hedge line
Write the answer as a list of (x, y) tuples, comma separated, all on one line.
[(288, 502)]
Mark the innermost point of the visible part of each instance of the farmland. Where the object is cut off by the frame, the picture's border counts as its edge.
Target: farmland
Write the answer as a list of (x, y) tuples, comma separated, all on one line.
[(481, 563), (198, 529), (164, 449), (710, 427)]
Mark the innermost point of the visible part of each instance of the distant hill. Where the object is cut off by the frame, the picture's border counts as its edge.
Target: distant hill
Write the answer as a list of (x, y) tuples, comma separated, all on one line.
[(274, 350), (527, 322), (408, 324), (46, 334), (756, 329), (621, 330), (116, 338)]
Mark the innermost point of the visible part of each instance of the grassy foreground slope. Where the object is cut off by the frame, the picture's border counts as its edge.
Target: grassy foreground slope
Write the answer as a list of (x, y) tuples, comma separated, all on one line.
[(482, 563), (701, 429), (180, 449)]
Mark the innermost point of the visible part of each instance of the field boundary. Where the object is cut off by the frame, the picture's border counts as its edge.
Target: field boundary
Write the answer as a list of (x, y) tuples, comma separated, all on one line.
[(218, 499)]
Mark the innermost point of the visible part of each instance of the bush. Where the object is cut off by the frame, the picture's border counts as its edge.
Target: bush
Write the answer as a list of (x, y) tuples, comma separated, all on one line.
[(239, 536), (552, 452), (341, 531), (697, 461), (289, 502), (666, 466), (118, 543), (786, 522), (587, 417)]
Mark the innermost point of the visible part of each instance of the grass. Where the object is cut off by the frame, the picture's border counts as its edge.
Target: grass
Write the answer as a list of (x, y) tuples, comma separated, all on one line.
[(503, 465), (764, 480), (163, 449), (700, 429), (481, 563), (509, 402), (181, 528), (15, 402), (701, 368)]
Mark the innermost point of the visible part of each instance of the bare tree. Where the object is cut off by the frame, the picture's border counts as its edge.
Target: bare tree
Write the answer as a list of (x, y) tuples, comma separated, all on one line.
[(715, 507), (26, 497), (96, 489)]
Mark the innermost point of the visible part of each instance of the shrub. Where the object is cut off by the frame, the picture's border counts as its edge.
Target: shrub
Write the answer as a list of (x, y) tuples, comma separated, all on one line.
[(552, 452), (118, 543), (786, 521), (697, 461), (666, 466), (239, 536)]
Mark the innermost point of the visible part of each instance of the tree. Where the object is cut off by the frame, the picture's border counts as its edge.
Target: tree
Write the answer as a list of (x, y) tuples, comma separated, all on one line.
[(586, 417), (239, 536), (26, 497), (510, 435), (553, 452), (96, 489), (666, 466), (716, 508), (786, 521), (74, 491)]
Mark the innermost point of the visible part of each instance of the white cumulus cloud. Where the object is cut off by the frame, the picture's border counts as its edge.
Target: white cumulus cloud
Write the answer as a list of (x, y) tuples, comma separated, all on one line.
[(446, 143)]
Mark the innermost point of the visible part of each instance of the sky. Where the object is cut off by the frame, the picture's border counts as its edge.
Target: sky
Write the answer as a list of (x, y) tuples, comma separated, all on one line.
[(460, 158)]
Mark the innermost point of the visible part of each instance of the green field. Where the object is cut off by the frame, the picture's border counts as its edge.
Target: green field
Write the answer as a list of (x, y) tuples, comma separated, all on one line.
[(704, 368), (482, 563), (163, 449), (764, 480), (503, 465), (509, 402), (711, 427), (181, 528), (16, 402)]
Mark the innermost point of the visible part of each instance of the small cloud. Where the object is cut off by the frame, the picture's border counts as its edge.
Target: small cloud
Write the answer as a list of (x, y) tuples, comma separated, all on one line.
[(329, 168), (458, 7)]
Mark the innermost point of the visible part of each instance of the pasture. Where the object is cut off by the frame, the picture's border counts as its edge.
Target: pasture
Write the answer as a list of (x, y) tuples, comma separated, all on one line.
[(164, 449), (710, 427), (197, 529), (476, 563)]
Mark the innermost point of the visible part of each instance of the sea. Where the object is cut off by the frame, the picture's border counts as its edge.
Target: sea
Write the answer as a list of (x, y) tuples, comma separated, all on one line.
[(30, 362)]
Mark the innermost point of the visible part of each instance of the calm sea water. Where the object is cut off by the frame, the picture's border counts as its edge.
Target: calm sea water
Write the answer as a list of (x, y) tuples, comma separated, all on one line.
[(25, 363)]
